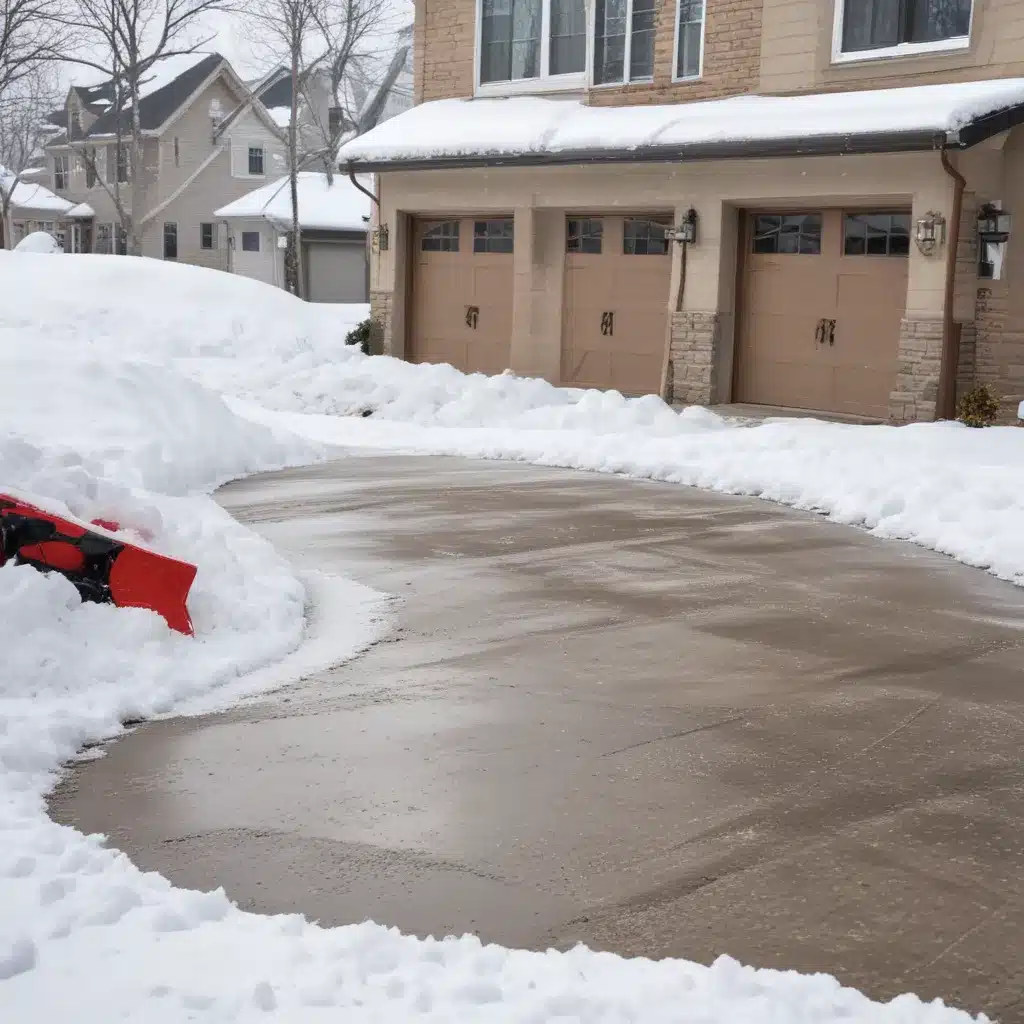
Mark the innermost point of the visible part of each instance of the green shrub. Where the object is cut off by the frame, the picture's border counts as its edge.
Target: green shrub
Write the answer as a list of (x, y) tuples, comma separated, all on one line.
[(360, 335), (978, 408)]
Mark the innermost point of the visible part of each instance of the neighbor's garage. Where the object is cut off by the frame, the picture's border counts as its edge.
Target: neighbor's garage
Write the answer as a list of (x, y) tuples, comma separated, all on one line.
[(617, 272), (821, 299), (336, 270), (462, 288)]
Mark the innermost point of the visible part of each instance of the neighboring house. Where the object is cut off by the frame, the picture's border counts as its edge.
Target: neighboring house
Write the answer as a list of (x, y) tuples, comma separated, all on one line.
[(207, 141), (577, 197), (394, 94), (33, 207), (317, 116), (333, 219)]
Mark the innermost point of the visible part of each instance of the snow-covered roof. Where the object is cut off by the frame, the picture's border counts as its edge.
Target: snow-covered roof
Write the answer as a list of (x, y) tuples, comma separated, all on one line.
[(552, 130), (281, 116), (81, 212), (336, 207), (30, 195)]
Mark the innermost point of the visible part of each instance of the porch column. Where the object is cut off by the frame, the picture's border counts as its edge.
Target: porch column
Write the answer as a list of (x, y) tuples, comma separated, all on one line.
[(538, 280)]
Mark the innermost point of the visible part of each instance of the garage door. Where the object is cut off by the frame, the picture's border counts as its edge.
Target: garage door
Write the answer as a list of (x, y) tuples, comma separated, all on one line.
[(462, 291), (617, 272), (823, 295), (335, 271)]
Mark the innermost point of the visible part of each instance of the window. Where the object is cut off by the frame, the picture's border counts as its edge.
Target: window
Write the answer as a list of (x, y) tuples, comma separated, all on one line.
[(624, 41), (250, 241), (441, 237), (876, 234), (583, 235), (177, 152), (893, 27), (527, 40), (123, 163), (207, 236), (689, 38), (117, 163), (89, 159), (256, 160), (641, 237), (104, 238), (121, 235), (792, 233), (494, 235), (170, 241), (62, 240), (60, 173)]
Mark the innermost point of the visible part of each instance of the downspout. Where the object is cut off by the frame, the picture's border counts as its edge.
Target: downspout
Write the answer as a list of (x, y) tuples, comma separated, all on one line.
[(363, 189), (946, 405)]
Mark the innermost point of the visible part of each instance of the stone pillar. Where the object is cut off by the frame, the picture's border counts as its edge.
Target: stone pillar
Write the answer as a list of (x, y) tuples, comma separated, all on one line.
[(694, 357), (382, 327), (920, 363)]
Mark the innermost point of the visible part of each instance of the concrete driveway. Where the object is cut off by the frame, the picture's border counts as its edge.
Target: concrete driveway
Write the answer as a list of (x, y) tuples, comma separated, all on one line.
[(656, 720)]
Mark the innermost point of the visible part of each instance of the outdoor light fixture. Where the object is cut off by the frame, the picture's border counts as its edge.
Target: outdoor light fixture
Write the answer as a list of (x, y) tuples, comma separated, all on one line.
[(686, 233), (382, 238), (993, 224), (930, 232)]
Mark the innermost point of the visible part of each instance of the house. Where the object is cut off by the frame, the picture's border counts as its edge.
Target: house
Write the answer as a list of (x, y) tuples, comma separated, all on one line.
[(32, 207), (207, 141), (801, 205), (394, 93), (333, 217)]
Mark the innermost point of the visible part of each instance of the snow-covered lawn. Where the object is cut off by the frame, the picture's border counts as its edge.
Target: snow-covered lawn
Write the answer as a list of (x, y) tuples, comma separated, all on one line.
[(109, 405)]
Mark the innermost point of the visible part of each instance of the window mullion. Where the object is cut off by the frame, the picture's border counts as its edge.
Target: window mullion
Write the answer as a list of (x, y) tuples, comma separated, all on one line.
[(627, 53), (545, 38), (905, 23)]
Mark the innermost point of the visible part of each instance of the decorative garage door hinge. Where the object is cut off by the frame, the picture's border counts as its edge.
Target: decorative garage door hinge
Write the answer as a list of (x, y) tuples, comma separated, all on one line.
[(608, 324), (472, 316)]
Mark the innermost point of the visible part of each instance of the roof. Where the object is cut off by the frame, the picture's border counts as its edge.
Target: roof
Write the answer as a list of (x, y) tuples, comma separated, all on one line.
[(278, 91), (29, 195), (165, 88), (338, 207), (83, 211), (394, 94), (530, 130)]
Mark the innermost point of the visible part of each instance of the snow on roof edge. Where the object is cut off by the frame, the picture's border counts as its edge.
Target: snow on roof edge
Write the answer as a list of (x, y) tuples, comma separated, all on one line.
[(530, 125), (338, 208)]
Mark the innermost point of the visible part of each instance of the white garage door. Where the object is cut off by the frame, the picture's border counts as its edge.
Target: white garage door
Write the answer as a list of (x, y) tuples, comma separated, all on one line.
[(336, 272)]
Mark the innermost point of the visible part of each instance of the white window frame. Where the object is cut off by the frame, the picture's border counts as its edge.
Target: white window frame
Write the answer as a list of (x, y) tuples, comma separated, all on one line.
[(545, 81), (676, 77), (627, 58), (248, 154), (939, 46)]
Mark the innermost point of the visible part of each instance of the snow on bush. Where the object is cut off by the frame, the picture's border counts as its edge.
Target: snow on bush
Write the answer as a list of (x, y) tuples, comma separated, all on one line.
[(95, 414), (39, 242)]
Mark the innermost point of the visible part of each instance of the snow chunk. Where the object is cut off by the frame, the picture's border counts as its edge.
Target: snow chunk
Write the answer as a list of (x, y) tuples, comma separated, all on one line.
[(39, 242), (527, 124)]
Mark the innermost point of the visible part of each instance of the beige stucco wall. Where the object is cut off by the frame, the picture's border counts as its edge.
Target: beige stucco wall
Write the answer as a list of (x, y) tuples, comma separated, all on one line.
[(796, 50), (540, 197)]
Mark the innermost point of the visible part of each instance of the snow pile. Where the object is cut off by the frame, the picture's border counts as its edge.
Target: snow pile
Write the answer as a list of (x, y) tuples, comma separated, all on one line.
[(38, 242), (338, 206), (531, 125)]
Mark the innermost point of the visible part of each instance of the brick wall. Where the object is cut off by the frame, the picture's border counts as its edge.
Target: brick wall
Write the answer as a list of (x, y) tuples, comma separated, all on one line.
[(444, 41)]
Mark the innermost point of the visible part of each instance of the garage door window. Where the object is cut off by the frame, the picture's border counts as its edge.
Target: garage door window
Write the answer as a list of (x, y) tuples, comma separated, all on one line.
[(584, 235), (441, 237), (494, 235), (793, 233), (644, 237), (876, 234)]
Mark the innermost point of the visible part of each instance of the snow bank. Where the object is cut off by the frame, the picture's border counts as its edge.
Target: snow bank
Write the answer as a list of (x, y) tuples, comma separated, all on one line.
[(529, 124), (86, 936), (38, 242)]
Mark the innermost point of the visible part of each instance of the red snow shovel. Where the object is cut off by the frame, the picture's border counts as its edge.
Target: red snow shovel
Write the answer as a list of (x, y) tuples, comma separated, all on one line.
[(102, 569)]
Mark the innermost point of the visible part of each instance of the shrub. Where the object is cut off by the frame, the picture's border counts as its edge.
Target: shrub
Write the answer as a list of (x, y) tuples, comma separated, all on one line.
[(360, 335), (978, 408)]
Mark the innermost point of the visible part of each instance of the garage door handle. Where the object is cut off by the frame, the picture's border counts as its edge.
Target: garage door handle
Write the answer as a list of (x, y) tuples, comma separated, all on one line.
[(831, 331)]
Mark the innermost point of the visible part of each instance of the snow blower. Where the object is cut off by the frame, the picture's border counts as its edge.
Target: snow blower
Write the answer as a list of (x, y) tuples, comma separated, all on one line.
[(103, 569)]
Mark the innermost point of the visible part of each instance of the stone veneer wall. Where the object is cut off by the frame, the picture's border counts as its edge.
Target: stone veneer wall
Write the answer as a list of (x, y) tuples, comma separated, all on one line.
[(694, 357), (381, 337), (920, 363)]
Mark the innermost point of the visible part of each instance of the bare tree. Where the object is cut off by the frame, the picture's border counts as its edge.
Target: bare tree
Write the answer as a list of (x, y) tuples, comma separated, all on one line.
[(23, 131), (328, 47), (124, 40), (29, 39)]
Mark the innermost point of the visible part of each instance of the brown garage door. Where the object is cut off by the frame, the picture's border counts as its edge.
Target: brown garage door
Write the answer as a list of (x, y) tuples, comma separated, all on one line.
[(617, 273), (462, 293), (823, 295)]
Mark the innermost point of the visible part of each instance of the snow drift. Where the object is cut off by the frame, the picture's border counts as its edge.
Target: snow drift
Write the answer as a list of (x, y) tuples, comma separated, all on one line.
[(100, 418)]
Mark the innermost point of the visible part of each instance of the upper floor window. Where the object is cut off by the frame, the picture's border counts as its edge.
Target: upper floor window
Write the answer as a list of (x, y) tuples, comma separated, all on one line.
[(892, 28), (689, 38), (60, 173), (531, 41), (256, 160), (624, 40), (91, 170)]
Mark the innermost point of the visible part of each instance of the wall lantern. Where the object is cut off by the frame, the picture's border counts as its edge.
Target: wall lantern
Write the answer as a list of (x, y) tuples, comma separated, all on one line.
[(382, 238), (930, 232), (993, 224), (686, 233)]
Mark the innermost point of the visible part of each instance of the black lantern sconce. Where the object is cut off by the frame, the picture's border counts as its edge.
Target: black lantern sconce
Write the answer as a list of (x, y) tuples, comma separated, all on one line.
[(686, 233), (993, 224)]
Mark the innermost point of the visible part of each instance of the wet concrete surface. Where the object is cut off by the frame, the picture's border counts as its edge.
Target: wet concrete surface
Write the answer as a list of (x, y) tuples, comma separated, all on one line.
[(660, 721)]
